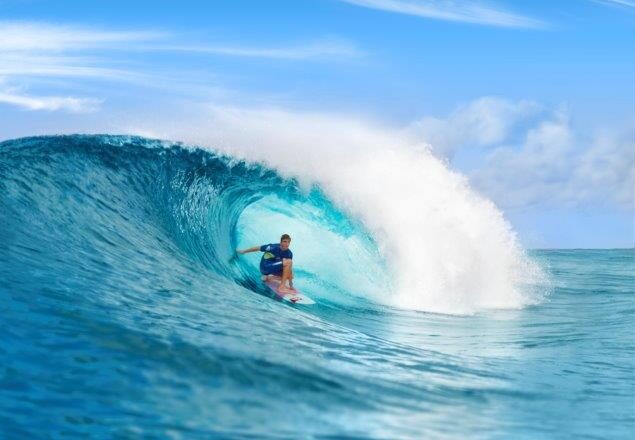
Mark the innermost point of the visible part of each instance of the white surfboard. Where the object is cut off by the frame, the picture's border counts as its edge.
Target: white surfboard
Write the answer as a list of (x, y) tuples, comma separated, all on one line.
[(296, 297)]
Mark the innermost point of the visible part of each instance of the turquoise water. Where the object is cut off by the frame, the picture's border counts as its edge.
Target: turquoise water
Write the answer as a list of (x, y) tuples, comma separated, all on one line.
[(125, 314)]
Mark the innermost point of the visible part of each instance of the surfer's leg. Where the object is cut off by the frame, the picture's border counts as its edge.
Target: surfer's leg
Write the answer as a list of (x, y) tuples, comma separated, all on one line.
[(286, 273), (271, 269)]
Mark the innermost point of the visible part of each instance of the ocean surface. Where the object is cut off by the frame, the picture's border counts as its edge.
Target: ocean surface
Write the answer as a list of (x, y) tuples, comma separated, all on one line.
[(125, 312)]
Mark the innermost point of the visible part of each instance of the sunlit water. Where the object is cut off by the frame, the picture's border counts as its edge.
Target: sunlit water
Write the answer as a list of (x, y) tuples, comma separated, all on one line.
[(126, 314)]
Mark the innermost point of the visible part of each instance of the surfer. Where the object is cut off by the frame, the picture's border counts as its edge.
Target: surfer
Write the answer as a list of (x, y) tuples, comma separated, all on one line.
[(276, 262)]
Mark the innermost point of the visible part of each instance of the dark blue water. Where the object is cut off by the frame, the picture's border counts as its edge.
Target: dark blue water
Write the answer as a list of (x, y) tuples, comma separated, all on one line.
[(126, 315)]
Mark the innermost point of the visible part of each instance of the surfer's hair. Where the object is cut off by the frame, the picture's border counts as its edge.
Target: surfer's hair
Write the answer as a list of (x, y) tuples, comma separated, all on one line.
[(285, 237)]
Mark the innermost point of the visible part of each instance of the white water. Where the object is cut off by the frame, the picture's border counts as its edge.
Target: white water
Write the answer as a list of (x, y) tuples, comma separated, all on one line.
[(449, 250)]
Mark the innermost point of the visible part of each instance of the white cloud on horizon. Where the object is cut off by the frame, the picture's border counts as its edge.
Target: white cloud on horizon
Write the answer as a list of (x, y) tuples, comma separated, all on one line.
[(554, 168), (466, 11), (479, 123), (532, 156)]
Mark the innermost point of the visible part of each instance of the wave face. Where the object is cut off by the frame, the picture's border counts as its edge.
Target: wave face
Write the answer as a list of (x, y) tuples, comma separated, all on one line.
[(138, 199), (428, 244), (126, 314)]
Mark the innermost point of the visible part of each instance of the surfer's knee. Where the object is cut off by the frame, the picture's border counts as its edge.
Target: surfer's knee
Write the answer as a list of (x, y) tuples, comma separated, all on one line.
[(287, 262)]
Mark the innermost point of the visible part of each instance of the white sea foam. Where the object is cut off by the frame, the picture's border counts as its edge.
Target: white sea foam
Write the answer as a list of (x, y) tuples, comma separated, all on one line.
[(449, 249)]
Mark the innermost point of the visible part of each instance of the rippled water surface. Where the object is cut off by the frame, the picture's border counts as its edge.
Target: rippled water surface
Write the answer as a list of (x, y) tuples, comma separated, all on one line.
[(125, 314)]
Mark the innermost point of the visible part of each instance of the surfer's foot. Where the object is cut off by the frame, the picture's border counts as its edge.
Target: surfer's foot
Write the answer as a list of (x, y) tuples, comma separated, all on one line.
[(285, 289)]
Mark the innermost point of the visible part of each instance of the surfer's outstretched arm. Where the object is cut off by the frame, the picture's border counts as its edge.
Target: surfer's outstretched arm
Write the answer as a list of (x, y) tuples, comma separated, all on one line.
[(251, 249)]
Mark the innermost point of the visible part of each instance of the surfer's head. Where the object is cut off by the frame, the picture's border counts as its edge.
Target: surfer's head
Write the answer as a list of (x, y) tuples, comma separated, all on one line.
[(285, 241)]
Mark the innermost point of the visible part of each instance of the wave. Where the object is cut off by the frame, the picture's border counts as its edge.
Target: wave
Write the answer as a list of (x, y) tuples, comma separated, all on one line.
[(388, 226)]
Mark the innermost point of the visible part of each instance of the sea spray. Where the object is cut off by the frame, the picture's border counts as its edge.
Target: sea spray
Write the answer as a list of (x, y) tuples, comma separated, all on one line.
[(448, 249)]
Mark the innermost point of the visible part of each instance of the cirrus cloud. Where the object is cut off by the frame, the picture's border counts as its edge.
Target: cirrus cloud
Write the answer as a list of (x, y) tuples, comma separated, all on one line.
[(465, 11), (80, 53), (51, 103)]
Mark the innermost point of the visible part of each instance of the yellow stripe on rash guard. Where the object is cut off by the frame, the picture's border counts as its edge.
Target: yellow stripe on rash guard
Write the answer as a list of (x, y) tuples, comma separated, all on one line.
[(268, 255)]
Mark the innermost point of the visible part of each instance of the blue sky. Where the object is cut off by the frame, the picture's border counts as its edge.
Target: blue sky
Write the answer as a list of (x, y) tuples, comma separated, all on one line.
[(532, 101)]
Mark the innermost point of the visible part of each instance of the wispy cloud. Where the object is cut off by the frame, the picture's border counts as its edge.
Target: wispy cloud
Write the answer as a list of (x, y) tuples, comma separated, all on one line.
[(45, 39), (314, 50), (39, 49), (20, 36), (627, 3), (45, 50), (30, 37), (464, 11), (16, 64), (51, 103)]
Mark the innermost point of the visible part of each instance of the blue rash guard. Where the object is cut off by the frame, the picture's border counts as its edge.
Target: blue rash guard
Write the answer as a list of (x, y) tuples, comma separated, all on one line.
[(271, 261)]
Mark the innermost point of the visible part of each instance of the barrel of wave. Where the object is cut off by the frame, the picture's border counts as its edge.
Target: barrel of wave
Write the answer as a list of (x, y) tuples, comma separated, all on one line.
[(447, 248), (334, 258)]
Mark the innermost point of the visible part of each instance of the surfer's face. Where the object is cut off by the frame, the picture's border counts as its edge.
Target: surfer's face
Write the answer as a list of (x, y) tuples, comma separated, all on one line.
[(284, 244)]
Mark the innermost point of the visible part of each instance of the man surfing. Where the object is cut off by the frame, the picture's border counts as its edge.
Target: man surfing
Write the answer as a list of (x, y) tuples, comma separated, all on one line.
[(276, 262)]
